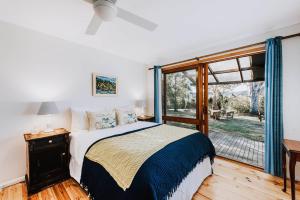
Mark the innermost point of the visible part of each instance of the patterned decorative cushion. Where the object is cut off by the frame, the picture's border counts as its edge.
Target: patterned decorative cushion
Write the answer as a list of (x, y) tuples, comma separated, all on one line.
[(126, 117), (101, 120)]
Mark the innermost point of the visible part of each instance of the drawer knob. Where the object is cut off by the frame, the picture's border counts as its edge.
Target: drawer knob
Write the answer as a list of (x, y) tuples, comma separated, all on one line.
[(50, 141), (63, 154)]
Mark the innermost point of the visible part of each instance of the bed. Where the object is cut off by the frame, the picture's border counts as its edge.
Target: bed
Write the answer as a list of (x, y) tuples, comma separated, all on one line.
[(88, 173)]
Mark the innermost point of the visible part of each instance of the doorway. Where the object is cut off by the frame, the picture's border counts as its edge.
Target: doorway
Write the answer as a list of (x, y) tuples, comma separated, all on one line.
[(222, 98), (236, 108)]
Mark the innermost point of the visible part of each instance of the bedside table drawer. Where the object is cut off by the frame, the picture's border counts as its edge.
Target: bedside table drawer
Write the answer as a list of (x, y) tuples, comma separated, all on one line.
[(48, 142)]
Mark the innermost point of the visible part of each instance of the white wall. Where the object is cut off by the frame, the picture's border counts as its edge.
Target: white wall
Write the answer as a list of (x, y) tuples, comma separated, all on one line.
[(35, 67), (150, 92), (291, 92)]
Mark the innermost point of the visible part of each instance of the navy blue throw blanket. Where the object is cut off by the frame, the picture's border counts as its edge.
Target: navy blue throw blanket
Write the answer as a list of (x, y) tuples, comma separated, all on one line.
[(158, 177)]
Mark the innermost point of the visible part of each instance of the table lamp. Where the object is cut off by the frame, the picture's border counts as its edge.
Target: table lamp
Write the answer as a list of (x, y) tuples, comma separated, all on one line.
[(48, 108), (141, 105)]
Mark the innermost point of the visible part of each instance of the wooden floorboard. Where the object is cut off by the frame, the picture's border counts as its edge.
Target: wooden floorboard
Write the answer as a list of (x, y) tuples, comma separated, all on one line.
[(230, 181)]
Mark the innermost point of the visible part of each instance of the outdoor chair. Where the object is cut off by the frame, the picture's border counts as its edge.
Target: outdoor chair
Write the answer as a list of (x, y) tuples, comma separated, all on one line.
[(215, 114), (261, 116), (229, 114)]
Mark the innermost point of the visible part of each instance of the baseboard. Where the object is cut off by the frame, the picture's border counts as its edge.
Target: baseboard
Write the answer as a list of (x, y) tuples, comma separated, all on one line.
[(12, 182)]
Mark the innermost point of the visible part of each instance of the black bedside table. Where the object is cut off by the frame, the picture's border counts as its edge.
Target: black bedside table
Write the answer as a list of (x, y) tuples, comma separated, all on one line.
[(47, 159), (146, 118), (292, 149)]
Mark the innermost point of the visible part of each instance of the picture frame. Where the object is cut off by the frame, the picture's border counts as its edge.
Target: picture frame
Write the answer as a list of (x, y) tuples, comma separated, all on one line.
[(104, 85)]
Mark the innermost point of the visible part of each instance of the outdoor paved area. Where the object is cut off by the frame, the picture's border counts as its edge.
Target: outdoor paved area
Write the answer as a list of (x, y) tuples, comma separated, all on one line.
[(236, 147)]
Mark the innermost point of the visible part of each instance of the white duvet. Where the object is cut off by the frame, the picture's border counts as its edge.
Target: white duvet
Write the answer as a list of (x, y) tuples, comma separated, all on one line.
[(82, 140)]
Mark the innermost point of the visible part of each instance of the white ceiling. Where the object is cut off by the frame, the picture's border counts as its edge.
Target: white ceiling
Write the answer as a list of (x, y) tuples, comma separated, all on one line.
[(183, 24)]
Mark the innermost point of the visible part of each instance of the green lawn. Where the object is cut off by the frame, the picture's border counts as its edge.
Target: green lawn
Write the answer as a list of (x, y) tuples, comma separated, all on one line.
[(248, 127)]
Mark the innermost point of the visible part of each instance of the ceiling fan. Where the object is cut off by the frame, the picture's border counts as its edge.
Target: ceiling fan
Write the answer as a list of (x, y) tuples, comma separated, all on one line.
[(106, 10)]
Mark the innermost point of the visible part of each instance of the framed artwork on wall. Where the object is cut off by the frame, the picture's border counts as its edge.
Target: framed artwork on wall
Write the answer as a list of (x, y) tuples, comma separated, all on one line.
[(104, 85)]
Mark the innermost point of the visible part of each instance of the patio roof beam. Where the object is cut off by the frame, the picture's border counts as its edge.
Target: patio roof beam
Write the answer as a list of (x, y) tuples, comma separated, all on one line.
[(235, 70), (239, 66), (211, 72), (226, 71), (236, 82)]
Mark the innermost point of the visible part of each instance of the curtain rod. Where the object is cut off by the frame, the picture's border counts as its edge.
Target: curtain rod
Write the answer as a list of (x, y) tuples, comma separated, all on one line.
[(246, 46)]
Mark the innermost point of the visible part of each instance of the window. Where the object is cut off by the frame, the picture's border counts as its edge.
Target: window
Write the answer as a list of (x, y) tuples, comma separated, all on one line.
[(181, 94), (183, 97)]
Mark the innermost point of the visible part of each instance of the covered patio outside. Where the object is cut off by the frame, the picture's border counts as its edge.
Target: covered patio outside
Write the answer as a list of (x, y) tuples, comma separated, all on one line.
[(236, 108), (239, 139)]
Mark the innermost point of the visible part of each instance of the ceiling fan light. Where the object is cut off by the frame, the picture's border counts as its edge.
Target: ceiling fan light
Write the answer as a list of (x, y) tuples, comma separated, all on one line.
[(105, 10)]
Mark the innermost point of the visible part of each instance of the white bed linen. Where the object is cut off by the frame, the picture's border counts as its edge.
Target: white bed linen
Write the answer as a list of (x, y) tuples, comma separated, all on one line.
[(82, 140), (189, 186)]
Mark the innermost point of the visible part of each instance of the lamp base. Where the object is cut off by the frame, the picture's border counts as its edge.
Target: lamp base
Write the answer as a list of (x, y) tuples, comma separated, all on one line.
[(48, 130)]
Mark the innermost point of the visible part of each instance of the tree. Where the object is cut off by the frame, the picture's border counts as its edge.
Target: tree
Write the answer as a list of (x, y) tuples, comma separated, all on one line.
[(178, 86), (218, 99), (256, 89)]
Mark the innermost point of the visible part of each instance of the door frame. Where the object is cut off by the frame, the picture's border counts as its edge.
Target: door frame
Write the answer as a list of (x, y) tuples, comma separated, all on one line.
[(201, 120)]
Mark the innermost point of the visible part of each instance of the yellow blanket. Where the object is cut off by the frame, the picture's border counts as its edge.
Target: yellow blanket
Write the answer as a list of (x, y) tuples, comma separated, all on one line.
[(122, 156)]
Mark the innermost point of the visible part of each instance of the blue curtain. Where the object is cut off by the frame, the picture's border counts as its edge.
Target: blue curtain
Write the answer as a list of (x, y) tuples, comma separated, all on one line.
[(273, 107), (157, 94)]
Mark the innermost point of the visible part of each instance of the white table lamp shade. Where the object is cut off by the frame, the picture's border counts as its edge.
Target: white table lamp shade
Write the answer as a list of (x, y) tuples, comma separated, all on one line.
[(48, 108)]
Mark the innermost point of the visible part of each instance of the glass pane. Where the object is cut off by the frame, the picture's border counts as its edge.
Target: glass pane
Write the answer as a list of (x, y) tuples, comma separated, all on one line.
[(181, 94), (224, 65), (226, 77), (245, 62), (183, 125), (211, 79), (248, 75)]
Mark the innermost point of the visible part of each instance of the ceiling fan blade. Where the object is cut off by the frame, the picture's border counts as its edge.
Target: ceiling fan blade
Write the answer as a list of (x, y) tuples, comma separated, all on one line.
[(136, 20), (89, 1), (94, 25), (93, 1)]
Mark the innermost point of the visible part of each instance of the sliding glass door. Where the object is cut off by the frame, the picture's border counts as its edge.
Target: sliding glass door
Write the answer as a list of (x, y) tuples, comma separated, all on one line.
[(226, 89)]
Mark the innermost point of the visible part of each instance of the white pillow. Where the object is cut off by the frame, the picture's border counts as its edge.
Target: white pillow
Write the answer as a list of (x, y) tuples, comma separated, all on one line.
[(79, 120), (126, 116), (101, 120)]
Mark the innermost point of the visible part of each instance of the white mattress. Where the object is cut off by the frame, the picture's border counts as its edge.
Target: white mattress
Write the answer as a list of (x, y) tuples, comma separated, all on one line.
[(81, 141)]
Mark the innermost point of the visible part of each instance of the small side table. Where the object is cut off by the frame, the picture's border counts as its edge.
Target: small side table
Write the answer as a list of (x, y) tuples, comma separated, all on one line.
[(47, 159), (292, 149), (146, 118)]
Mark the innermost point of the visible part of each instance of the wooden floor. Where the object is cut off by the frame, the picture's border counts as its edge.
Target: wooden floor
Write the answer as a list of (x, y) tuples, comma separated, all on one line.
[(239, 148), (231, 181)]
